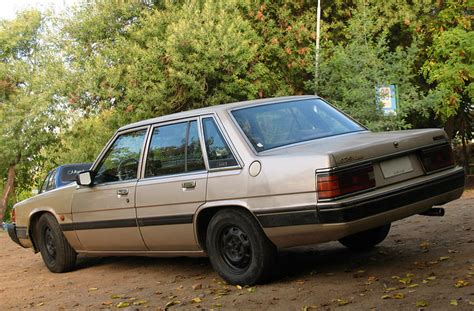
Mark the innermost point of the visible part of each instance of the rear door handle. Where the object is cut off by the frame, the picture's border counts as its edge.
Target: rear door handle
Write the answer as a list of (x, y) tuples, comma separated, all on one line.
[(122, 192), (189, 184)]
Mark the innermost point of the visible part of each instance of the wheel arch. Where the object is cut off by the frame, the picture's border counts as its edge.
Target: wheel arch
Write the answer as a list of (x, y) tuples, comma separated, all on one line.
[(34, 216), (204, 215)]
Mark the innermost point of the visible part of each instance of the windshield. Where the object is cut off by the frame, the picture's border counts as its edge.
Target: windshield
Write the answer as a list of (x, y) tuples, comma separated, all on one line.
[(275, 125)]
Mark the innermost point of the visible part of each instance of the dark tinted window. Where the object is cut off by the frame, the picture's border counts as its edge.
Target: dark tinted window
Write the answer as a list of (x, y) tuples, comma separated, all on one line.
[(45, 183), (174, 149), (121, 161), (218, 152), (51, 184), (274, 125)]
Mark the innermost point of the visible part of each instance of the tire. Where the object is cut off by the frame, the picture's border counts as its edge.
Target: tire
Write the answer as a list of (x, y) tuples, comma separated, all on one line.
[(366, 240), (57, 254), (238, 248)]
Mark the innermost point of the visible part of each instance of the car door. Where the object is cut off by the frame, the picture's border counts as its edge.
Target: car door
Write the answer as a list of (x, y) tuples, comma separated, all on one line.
[(104, 215), (173, 186)]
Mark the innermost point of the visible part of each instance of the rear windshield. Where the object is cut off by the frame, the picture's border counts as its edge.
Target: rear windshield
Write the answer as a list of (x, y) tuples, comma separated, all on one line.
[(275, 125), (68, 173)]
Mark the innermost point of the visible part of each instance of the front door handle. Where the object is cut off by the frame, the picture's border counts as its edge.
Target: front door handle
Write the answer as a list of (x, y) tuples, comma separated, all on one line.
[(122, 192), (189, 184)]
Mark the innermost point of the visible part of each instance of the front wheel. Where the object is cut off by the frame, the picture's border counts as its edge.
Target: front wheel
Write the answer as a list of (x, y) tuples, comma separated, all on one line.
[(57, 254), (239, 249), (366, 240)]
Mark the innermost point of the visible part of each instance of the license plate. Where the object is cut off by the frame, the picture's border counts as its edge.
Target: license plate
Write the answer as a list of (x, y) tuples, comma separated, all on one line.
[(395, 167)]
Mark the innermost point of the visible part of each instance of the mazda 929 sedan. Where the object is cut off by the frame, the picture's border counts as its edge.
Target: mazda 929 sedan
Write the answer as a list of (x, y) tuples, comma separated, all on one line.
[(238, 182)]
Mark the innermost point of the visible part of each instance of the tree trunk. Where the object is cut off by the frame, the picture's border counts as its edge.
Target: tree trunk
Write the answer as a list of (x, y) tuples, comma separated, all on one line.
[(7, 190), (449, 127)]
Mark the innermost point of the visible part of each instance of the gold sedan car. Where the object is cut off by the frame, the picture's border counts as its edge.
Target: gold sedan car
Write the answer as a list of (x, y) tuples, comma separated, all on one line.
[(237, 182)]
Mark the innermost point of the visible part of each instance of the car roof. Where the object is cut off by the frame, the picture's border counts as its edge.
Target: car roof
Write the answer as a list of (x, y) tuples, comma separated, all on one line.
[(211, 109)]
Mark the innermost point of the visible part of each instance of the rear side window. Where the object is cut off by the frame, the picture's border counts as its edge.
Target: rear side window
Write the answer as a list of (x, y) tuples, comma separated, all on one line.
[(174, 149), (69, 173), (51, 183), (218, 152)]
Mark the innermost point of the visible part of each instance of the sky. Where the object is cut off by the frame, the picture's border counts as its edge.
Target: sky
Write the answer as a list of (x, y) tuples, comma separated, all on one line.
[(8, 8)]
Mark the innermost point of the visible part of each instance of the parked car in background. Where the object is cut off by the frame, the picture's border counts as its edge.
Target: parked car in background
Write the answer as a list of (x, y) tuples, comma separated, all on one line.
[(238, 182), (62, 175)]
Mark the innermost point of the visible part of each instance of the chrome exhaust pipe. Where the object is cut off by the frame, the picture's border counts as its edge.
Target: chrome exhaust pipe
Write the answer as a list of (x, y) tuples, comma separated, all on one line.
[(434, 211)]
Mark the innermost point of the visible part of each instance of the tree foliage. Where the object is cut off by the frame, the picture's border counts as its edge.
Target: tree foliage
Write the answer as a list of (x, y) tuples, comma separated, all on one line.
[(68, 82)]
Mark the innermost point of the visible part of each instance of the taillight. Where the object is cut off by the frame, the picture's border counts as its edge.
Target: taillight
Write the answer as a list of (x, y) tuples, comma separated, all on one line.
[(333, 185), (13, 216), (437, 158)]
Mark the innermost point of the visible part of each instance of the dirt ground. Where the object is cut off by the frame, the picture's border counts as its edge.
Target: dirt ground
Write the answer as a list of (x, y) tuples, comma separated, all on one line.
[(425, 263)]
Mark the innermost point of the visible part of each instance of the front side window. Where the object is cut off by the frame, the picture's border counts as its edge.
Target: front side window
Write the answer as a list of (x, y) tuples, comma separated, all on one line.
[(121, 161), (218, 152), (275, 125), (174, 149)]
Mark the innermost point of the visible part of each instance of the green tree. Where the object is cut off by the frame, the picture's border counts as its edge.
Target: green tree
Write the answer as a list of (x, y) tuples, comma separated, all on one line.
[(27, 102)]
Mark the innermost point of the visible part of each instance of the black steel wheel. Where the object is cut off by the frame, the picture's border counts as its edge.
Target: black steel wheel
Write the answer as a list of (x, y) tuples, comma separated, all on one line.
[(238, 248), (56, 252)]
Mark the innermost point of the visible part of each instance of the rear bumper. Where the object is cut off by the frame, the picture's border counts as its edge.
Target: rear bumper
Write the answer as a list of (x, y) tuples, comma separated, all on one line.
[(16, 233), (350, 211), (332, 221)]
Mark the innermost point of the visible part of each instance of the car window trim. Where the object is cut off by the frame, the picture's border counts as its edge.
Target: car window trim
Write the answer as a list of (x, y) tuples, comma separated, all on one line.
[(148, 143), (226, 139), (109, 145)]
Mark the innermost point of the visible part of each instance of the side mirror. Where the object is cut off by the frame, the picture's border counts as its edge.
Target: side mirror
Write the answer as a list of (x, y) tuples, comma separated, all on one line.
[(85, 178)]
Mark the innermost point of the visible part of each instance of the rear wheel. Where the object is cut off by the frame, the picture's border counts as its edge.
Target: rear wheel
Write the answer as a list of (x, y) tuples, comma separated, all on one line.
[(366, 240), (57, 254), (238, 248)]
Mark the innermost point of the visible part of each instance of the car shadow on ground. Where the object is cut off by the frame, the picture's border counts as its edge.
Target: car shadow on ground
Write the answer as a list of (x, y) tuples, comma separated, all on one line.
[(295, 263)]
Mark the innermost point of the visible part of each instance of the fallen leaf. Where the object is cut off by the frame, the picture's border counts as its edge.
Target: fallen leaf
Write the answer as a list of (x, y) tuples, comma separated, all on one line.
[(395, 277), (196, 300), (453, 302), (341, 302), (386, 297), (140, 302), (107, 303), (405, 281), (461, 283), (218, 305), (197, 286), (172, 303), (390, 289), (40, 304), (251, 289), (238, 287), (123, 304), (307, 308), (93, 289), (452, 251), (421, 303), (424, 245), (399, 296), (431, 278), (117, 296), (471, 303), (443, 258), (410, 275), (413, 285)]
